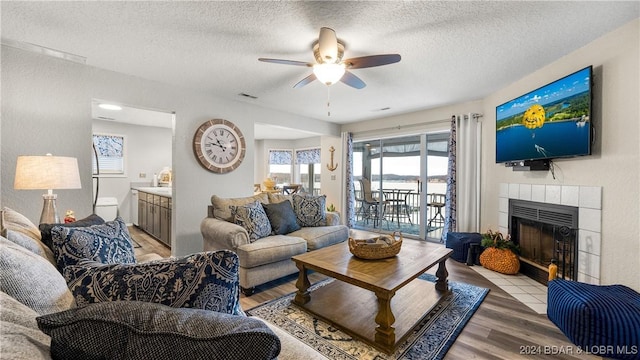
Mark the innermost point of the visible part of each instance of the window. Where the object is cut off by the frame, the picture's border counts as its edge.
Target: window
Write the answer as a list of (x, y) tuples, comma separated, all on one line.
[(280, 166), (308, 162), (110, 154)]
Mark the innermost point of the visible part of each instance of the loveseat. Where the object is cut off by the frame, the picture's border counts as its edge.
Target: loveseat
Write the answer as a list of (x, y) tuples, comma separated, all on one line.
[(296, 224), (160, 309)]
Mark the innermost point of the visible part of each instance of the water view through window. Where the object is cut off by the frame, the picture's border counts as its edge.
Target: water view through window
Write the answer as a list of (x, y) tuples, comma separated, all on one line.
[(400, 184)]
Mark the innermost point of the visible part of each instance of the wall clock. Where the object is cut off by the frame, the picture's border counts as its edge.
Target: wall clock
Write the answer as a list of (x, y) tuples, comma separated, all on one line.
[(219, 146)]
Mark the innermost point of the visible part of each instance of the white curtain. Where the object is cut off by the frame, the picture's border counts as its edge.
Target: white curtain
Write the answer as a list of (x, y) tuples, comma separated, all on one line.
[(469, 132)]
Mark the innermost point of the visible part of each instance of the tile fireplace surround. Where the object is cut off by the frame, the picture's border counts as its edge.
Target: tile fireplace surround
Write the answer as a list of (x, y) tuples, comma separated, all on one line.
[(588, 200)]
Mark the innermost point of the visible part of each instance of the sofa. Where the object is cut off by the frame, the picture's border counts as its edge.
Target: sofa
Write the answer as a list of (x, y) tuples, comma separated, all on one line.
[(100, 307), (294, 225)]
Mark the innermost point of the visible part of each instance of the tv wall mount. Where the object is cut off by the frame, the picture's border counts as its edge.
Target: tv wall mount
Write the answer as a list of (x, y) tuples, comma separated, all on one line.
[(529, 165)]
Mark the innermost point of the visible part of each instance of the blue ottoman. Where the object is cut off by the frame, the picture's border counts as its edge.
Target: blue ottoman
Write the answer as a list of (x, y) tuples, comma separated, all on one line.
[(460, 242), (603, 320)]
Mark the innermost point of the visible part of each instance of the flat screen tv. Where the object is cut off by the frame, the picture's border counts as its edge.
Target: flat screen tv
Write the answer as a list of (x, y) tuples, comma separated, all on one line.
[(553, 121)]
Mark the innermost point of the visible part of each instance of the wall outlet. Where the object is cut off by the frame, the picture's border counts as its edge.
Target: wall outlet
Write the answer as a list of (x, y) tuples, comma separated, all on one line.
[(333, 177), (142, 175)]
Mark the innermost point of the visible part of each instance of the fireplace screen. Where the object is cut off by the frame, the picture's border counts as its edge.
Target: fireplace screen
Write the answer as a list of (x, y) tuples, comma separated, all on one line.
[(545, 232)]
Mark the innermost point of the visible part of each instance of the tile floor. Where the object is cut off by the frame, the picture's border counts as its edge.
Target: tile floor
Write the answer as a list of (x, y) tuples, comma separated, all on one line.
[(526, 290)]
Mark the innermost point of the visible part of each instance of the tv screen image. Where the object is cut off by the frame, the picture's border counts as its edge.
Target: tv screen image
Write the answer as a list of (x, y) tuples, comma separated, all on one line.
[(553, 121)]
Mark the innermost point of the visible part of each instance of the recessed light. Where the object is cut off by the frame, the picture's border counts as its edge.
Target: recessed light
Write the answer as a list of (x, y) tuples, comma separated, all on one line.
[(110, 107)]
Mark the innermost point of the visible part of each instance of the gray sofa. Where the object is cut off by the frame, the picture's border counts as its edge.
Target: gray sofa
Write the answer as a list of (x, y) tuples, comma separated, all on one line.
[(32, 287), (268, 258)]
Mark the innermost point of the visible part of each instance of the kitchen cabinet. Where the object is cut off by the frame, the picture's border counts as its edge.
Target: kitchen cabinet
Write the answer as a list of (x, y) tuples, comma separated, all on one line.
[(154, 215)]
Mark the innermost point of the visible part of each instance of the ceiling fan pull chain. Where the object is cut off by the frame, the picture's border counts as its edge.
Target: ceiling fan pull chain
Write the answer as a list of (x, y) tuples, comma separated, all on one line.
[(328, 100)]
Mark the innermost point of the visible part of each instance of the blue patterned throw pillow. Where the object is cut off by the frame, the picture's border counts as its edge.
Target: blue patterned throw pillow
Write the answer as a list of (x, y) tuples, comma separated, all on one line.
[(253, 218), (109, 243), (207, 280), (310, 210)]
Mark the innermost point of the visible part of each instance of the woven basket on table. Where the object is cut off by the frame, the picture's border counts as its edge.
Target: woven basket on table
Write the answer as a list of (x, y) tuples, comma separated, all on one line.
[(372, 249)]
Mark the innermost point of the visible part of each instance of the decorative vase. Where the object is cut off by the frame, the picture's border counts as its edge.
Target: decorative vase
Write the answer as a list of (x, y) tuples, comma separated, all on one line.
[(269, 184)]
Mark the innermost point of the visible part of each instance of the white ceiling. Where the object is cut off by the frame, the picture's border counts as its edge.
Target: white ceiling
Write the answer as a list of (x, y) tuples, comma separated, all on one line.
[(451, 51)]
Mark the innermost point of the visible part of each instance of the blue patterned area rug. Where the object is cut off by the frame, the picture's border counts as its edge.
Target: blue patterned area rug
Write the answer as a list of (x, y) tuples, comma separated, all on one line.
[(431, 339)]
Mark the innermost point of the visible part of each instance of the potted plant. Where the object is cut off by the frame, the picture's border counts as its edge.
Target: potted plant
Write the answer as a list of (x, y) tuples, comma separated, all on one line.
[(500, 253)]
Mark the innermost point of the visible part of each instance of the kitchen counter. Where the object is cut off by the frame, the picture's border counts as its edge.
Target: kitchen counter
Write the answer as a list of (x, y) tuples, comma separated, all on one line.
[(162, 191)]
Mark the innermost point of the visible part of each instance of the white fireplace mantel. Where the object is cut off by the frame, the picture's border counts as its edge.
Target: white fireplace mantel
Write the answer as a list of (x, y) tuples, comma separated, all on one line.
[(588, 199)]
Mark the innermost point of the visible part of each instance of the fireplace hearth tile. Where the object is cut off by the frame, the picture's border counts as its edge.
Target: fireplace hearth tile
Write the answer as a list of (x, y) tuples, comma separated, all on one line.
[(537, 193), (534, 290), (534, 295), (512, 289), (591, 197), (570, 195), (589, 242), (589, 219), (526, 299), (525, 192), (504, 190), (514, 191), (552, 194)]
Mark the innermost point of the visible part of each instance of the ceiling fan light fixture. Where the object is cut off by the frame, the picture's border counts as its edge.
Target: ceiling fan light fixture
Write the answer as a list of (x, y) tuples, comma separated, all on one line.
[(329, 73)]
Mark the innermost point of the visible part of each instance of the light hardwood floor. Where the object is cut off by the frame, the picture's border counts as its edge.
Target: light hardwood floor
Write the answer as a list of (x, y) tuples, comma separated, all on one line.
[(501, 328)]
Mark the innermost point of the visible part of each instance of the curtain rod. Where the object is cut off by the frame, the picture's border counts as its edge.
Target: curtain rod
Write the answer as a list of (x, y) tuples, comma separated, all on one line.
[(401, 127)]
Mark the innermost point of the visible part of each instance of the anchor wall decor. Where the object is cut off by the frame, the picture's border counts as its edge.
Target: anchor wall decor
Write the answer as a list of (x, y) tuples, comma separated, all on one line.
[(332, 166)]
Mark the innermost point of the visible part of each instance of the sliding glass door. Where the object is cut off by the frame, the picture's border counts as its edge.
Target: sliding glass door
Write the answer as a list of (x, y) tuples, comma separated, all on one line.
[(394, 179)]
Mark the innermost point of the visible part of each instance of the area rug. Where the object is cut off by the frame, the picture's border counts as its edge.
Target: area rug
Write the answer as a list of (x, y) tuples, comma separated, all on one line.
[(431, 339)]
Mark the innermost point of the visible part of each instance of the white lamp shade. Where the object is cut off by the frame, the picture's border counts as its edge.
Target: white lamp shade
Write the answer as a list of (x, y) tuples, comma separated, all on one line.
[(328, 73), (47, 172)]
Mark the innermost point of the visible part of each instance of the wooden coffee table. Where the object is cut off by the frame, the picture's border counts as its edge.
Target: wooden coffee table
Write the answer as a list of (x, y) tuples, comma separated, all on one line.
[(377, 301)]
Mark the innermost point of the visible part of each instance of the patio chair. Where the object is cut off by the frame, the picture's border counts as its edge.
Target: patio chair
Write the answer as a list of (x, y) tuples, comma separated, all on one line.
[(291, 189), (369, 204)]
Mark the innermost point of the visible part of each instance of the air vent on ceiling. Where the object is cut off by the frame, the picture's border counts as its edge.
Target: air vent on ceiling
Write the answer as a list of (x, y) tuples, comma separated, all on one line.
[(106, 118), (247, 95)]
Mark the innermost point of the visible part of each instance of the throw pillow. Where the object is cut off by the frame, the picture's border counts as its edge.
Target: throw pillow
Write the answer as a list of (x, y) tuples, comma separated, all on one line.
[(29, 243), (109, 243), (32, 280), (13, 220), (137, 330), (281, 217), (310, 210), (45, 229), (253, 218), (207, 280), (222, 206)]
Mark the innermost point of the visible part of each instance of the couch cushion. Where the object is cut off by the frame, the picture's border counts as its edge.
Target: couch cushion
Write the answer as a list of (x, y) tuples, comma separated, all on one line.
[(21, 338), (270, 249), (310, 210), (277, 198), (45, 229), (322, 236), (282, 218), (34, 245), (13, 220), (252, 218), (109, 243), (221, 206), (32, 280), (138, 330), (207, 280)]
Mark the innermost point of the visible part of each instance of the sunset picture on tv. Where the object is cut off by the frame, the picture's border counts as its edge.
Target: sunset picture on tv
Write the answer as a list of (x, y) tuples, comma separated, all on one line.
[(550, 122)]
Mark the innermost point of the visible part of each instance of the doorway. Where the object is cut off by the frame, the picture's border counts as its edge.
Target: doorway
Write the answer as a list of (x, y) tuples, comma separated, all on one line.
[(400, 184), (141, 145)]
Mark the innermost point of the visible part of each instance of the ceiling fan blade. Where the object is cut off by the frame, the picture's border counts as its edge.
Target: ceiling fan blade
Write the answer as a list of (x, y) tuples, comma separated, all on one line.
[(304, 81), (352, 80), (286, 62), (371, 61), (328, 45)]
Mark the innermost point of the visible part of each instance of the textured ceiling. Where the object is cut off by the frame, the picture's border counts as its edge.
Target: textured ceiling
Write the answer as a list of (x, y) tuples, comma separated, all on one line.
[(451, 51)]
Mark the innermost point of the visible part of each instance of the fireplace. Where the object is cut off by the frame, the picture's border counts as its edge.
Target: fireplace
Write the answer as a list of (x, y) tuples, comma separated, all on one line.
[(545, 232)]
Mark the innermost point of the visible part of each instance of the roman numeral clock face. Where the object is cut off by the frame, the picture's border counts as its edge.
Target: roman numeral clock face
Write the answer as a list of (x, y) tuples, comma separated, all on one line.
[(219, 146)]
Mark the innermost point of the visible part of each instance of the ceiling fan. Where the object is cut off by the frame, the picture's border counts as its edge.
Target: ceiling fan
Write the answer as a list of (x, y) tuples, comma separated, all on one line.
[(329, 67)]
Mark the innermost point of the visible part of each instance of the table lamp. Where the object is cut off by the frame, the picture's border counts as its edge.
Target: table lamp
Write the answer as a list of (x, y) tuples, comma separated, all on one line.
[(47, 173)]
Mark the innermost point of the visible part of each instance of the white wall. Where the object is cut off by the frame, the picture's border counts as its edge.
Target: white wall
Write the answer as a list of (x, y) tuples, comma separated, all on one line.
[(147, 151), (615, 163), (46, 108)]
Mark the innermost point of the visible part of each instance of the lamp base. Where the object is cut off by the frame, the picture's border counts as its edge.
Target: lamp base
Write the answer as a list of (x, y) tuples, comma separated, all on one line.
[(49, 211)]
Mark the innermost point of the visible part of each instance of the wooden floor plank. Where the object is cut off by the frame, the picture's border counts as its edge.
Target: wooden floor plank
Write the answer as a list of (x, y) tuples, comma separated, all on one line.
[(501, 328)]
